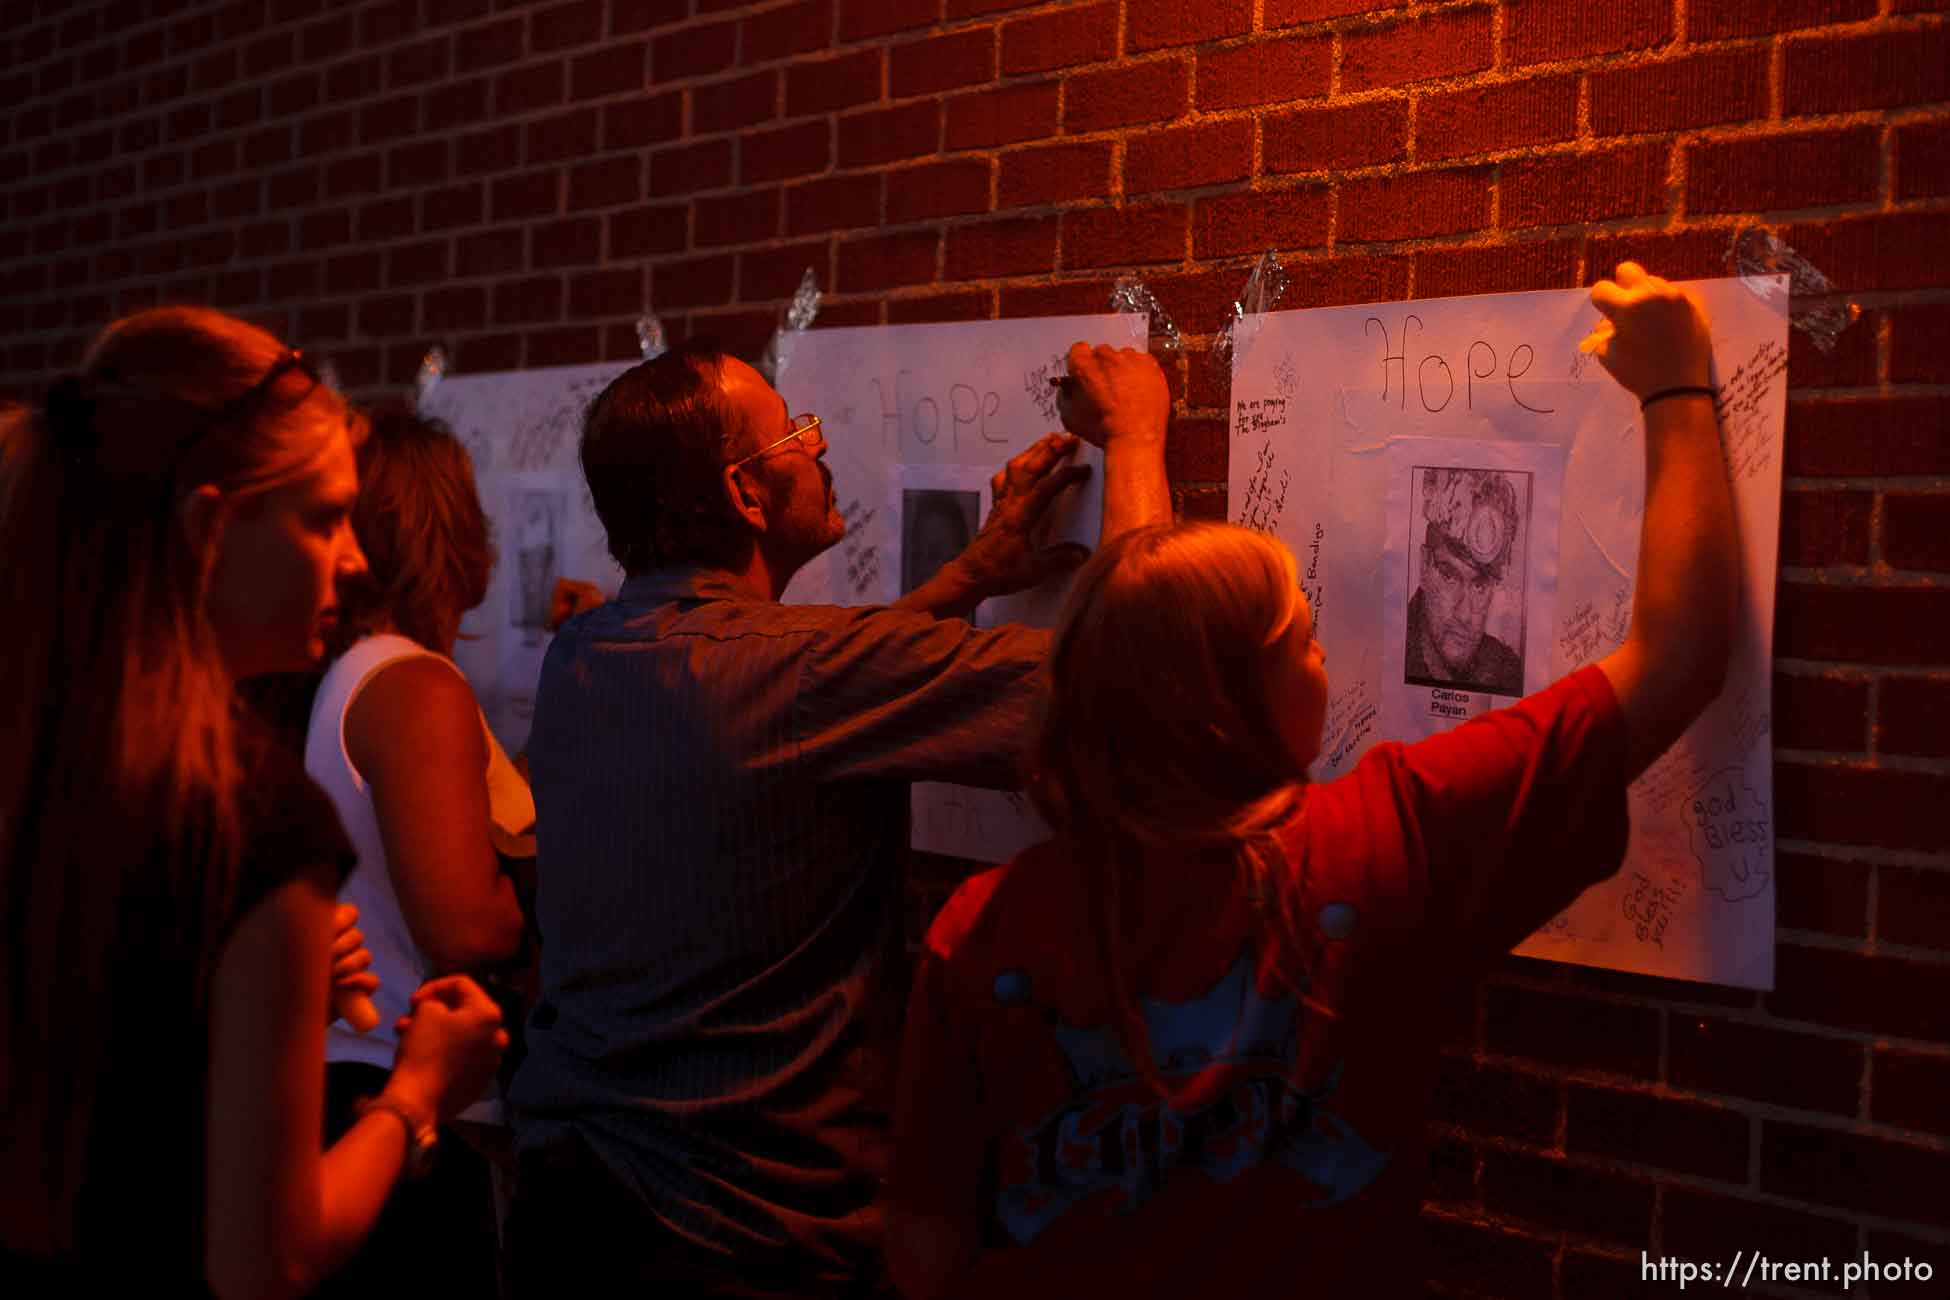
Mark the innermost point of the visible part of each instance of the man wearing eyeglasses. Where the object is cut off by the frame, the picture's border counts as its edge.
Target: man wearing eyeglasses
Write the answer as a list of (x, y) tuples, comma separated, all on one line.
[(721, 785)]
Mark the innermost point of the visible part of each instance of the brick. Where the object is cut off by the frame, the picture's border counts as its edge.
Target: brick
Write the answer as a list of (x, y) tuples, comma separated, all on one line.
[(1124, 236), (887, 135), (455, 103), (1913, 906), (694, 282), (1416, 49), (1495, 268), (1922, 160), (693, 52), (1541, 31), (930, 66), (1868, 435), (1802, 1071), (1803, 170), (742, 333), (1894, 251), (1697, 1225), (606, 293), (574, 241), (1265, 72), (449, 309), (573, 22), (1821, 528), (825, 85), (1584, 1201), (1210, 153), (489, 152), (1826, 895), (607, 183), (773, 273), (1916, 351), (1540, 110), (1850, 363), (1726, 19), (416, 65), (855, 311), (520, 302), (1886, 809), (1415, 205), (863, 19), (1826, 713), (575, 345), (1687, 1137), (1080, 297), (1854, 1171), (1838, 74), (614, 70), (1067, 38), (683, 169), (627, 16), (944, 189), (1155, 24), (974, 8), (997, 248), (1854, 624), (490, 46), (1249, 221), (1706, 89), (781, 33), (489, 352), (1479, 1258), (802, 149), (1054, 173), (888, 261), (643, 121), (993, 117), (1452, 1174), (1342, 279), (743, 217), (1913, 717), (1336, 139), (1874, 994), (1682, 254), (1914, 535), (1909, 1089), (1197, 449), (1488, 1101), (456, 205), (977, 304), (640, 232), (528, 88), (561, 136), (734, 102), (422, 263), (1575, 1032), (835, 203), (1126, 95)]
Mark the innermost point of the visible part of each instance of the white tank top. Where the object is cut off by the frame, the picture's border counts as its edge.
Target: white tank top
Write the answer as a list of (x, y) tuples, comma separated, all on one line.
[(400, 965)]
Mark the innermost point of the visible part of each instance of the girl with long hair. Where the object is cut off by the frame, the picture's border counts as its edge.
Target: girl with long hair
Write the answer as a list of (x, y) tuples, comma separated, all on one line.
[(434, 808), (173, 522), (1188, 1045)]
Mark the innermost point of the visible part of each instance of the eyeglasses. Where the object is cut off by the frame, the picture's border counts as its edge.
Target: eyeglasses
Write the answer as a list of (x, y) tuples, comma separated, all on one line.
[(242, 404), (805, 430)]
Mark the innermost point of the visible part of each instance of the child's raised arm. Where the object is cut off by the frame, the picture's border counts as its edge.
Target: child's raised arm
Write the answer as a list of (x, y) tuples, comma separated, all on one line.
[(1654, 342)]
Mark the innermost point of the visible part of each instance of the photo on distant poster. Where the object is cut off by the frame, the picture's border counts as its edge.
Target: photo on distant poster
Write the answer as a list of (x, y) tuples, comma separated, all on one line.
[(1464, 626), (936, 525), (536, 534)]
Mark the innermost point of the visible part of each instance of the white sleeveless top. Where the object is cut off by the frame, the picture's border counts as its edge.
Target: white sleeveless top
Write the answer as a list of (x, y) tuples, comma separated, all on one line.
[(400, 965)]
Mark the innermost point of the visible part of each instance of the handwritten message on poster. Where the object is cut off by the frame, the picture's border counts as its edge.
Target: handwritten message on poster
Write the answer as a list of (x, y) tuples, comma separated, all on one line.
[(917, 419), (1464, 491), (522, 428)]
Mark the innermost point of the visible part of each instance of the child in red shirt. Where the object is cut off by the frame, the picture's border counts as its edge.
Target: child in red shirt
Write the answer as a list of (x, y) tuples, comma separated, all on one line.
[(1189, 1044)]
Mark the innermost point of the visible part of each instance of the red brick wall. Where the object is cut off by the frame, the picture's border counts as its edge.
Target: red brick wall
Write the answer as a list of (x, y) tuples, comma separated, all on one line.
[(515, 181)]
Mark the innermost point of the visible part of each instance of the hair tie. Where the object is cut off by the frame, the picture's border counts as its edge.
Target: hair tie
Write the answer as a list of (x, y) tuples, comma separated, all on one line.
[(71, 420)]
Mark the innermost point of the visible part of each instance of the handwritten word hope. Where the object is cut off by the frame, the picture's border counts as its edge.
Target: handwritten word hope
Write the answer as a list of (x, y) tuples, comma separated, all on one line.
[(1435, 379), (904, 415)]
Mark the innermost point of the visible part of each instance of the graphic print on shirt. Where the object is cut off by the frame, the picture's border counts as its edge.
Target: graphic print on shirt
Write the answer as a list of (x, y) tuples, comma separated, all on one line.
[(1115, 1134)]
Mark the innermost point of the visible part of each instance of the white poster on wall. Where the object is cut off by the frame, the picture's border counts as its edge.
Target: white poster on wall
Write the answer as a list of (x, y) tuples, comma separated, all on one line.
[(1463, 489), (917, 419), (522, 428)]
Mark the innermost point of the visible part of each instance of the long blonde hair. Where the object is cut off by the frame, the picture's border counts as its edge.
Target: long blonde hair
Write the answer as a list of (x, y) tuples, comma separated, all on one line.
[(121, 769), (1158, 740)]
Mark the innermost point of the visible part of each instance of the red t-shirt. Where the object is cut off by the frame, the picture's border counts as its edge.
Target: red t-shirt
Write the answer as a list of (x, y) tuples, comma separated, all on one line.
[(1290, 1155)]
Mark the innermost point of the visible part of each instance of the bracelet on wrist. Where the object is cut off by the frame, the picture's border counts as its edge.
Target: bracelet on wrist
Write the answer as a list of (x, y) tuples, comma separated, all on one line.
[(1685, 390)]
